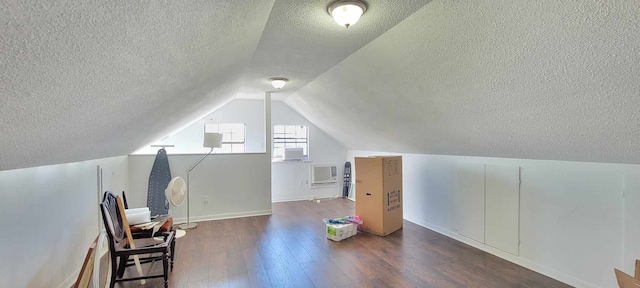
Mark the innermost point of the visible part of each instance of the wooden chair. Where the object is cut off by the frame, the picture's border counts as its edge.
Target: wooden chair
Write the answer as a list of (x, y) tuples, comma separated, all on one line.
[(167, 227), (121, 245)]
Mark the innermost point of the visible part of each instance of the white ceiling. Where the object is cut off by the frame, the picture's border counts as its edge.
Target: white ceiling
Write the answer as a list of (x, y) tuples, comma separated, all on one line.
[(91, 79), (301, 41), (545, 80), (525, 79)]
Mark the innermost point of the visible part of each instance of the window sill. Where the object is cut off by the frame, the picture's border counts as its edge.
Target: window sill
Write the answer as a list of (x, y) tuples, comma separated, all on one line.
[(290, 161)]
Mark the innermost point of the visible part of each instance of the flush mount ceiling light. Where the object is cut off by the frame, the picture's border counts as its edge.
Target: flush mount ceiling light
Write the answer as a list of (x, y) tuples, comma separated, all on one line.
[(278, 82), (347, 13)]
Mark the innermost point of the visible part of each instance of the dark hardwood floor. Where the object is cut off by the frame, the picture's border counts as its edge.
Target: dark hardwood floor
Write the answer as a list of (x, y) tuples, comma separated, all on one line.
[(289, 249)]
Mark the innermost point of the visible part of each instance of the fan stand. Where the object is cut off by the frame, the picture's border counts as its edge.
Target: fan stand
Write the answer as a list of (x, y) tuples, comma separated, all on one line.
[(179, 233), (189, 225), (176, 185)]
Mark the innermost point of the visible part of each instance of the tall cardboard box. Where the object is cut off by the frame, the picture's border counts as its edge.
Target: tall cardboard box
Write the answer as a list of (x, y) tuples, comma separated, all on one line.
[(379, 193)]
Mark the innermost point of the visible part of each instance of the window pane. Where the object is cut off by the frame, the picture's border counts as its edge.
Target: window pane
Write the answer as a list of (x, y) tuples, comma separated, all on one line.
[(237, 136), (236, 126), (226, 148), (211, 128), (288, 129), (231, 133), (290, 136)]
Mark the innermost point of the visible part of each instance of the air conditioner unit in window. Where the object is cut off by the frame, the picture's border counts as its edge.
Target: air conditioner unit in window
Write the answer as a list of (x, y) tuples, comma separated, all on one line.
[(324, 175), (293, 153)]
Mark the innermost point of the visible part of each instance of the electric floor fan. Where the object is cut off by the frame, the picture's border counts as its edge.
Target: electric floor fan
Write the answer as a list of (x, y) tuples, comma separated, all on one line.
[(176, 193)]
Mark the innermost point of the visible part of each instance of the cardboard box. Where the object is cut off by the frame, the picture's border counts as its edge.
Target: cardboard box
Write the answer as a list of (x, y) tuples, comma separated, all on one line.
[(339, 232), (379, 193)]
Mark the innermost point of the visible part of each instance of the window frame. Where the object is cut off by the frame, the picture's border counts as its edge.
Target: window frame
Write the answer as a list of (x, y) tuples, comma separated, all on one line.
[(291, 143), (229, 134)]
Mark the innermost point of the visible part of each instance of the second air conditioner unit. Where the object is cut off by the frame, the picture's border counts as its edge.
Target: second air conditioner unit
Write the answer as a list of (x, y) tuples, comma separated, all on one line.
[(324, 175), (293, 153)]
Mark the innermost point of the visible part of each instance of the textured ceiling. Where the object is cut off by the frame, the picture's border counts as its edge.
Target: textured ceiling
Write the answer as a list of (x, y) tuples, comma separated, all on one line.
[(552, 80), (301, 41), (520, 79), (90, 79)]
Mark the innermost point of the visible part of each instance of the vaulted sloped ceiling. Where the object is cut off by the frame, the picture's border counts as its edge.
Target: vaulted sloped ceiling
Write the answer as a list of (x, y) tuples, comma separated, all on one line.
[(557, 80), (301, 41), (90, 79), (523, 79), (82, 80)]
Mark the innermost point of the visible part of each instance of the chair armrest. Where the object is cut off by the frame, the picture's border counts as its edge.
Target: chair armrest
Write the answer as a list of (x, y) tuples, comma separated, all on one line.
[(148, 249), (171, 234), (168, 237)]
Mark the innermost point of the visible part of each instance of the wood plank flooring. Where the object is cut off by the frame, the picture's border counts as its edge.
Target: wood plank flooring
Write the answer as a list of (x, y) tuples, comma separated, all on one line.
[(289, 249)]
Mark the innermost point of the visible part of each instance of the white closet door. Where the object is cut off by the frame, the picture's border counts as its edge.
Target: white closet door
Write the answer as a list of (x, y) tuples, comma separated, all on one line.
[(470, 201), (502, 215)]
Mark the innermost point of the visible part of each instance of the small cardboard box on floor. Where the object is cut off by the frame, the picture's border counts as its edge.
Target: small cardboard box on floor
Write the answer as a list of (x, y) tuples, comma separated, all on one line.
[(379, 193)]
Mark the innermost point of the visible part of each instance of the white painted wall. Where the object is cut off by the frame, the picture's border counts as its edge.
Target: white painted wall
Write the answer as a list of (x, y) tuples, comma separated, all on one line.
[(289, 179), (237, 185), (189, 140), (575, 225), (49, 216), (223, 185), (631, 218)]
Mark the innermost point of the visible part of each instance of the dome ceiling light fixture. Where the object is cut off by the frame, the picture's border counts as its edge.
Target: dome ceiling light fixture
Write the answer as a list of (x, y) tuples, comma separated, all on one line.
[(278, 82), (346, 12)]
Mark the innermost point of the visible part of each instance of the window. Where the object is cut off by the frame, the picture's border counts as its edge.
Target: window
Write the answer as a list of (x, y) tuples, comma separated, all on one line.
[(290, 136), (233, 136)]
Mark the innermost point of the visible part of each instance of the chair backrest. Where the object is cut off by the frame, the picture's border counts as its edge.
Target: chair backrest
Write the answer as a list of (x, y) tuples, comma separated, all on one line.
[(124, 199), (113, 220)]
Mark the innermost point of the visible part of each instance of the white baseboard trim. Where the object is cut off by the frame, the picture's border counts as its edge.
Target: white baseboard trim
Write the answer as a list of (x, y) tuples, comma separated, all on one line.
[(301, 198), (223, 216), (568, 279), (290, 199)]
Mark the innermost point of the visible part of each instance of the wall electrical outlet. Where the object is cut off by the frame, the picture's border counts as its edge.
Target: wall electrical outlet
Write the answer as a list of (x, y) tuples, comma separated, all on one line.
[(206, 199)]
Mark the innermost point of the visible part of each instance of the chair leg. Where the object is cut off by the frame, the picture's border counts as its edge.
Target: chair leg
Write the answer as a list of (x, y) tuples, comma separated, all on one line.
[(123, 265), (114, 272), (114, 269), (165, 266), (173, 251)]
